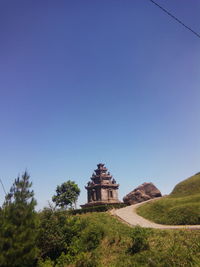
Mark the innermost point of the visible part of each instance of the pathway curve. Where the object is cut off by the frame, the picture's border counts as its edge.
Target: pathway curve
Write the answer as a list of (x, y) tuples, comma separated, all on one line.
[(130, 216)]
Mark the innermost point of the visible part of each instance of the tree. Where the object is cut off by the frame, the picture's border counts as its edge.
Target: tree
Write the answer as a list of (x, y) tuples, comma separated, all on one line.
[(18, 224), (66, 194)]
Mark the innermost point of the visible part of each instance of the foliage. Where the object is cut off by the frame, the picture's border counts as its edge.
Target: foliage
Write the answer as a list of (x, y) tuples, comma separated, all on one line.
[(57, 232), (46, 263), (88, 259), (163, 248), (92, 237), (99, 239), (64, 238), (100, 208), (139, 240), (181, 207), (18, 225), (66, 194)]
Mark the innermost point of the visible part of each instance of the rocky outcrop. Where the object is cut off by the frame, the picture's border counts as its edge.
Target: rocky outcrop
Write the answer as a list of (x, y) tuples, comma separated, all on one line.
[(142, 193)]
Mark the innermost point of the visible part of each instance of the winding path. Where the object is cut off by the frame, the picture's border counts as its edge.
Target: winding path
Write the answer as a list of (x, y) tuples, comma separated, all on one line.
[(130, 216)]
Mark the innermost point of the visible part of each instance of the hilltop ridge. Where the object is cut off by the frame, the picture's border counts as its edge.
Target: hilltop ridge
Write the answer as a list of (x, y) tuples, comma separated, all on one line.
[(189, 186), (181, 207)]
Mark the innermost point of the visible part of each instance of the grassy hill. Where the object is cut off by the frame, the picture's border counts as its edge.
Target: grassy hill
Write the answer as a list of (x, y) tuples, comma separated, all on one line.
[(188, 187), (100, 240), (182, 206), (106, 242)]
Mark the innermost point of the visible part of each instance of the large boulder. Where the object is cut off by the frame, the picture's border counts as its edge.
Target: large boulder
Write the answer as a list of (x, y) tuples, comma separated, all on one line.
[(142, 193)]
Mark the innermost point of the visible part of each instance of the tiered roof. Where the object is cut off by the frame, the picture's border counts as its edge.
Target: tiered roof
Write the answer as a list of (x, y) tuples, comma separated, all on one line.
[(101, 176)]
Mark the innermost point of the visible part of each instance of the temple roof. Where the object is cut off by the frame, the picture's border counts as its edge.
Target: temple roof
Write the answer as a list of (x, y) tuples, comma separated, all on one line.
[(101, 176), (101, 169)]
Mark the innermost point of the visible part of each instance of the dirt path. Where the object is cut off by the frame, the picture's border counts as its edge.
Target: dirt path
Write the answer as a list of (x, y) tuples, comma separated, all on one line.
[(129, 215)]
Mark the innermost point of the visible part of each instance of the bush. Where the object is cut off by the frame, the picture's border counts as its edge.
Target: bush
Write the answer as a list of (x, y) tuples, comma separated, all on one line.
[(139, 240), (101, 208), (45, 263), (58, 230), (92, 237), (88, 260)]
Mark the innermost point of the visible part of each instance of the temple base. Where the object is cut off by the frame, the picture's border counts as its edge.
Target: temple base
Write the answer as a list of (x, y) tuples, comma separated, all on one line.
[(99, 203)]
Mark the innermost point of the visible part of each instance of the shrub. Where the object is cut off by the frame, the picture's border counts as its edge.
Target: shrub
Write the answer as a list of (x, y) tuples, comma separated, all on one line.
[(101, 208), (45, 263), (57, 232), (88, 260), (139, 238), (92, 237)]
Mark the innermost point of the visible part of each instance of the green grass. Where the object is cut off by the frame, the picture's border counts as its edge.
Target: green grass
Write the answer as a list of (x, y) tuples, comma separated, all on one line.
[(107, 242), (181, 207), (188, 187)]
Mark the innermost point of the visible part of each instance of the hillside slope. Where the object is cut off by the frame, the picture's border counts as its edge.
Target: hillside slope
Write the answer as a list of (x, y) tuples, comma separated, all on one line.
[(188, 187), (104, 241), (182, 206)]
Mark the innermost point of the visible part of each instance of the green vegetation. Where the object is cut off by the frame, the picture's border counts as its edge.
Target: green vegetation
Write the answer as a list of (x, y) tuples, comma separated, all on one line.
[(66, 194), (57, 238), (188, 187), (181, 207), (18, 226), (100, 208), (100, 240)]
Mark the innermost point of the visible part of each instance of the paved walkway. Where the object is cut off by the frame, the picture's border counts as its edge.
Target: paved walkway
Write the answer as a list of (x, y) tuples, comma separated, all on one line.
[(129, 215)]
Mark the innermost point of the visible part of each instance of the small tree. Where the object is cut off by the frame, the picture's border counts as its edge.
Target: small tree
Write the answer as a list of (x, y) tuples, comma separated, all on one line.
[(18, 225), (66, 194)]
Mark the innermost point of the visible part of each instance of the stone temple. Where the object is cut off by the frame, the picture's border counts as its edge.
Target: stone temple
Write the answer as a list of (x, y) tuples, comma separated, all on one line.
[(102, 189)]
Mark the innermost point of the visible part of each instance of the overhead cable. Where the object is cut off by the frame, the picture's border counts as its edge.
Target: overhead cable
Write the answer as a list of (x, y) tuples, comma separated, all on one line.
[(175, 18)]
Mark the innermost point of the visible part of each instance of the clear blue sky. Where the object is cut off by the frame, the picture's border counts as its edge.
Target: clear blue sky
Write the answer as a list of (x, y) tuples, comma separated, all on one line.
[(112, 81)]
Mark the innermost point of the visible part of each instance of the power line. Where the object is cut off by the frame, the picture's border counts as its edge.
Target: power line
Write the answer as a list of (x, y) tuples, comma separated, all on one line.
[(3, 187), (175, 18)]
